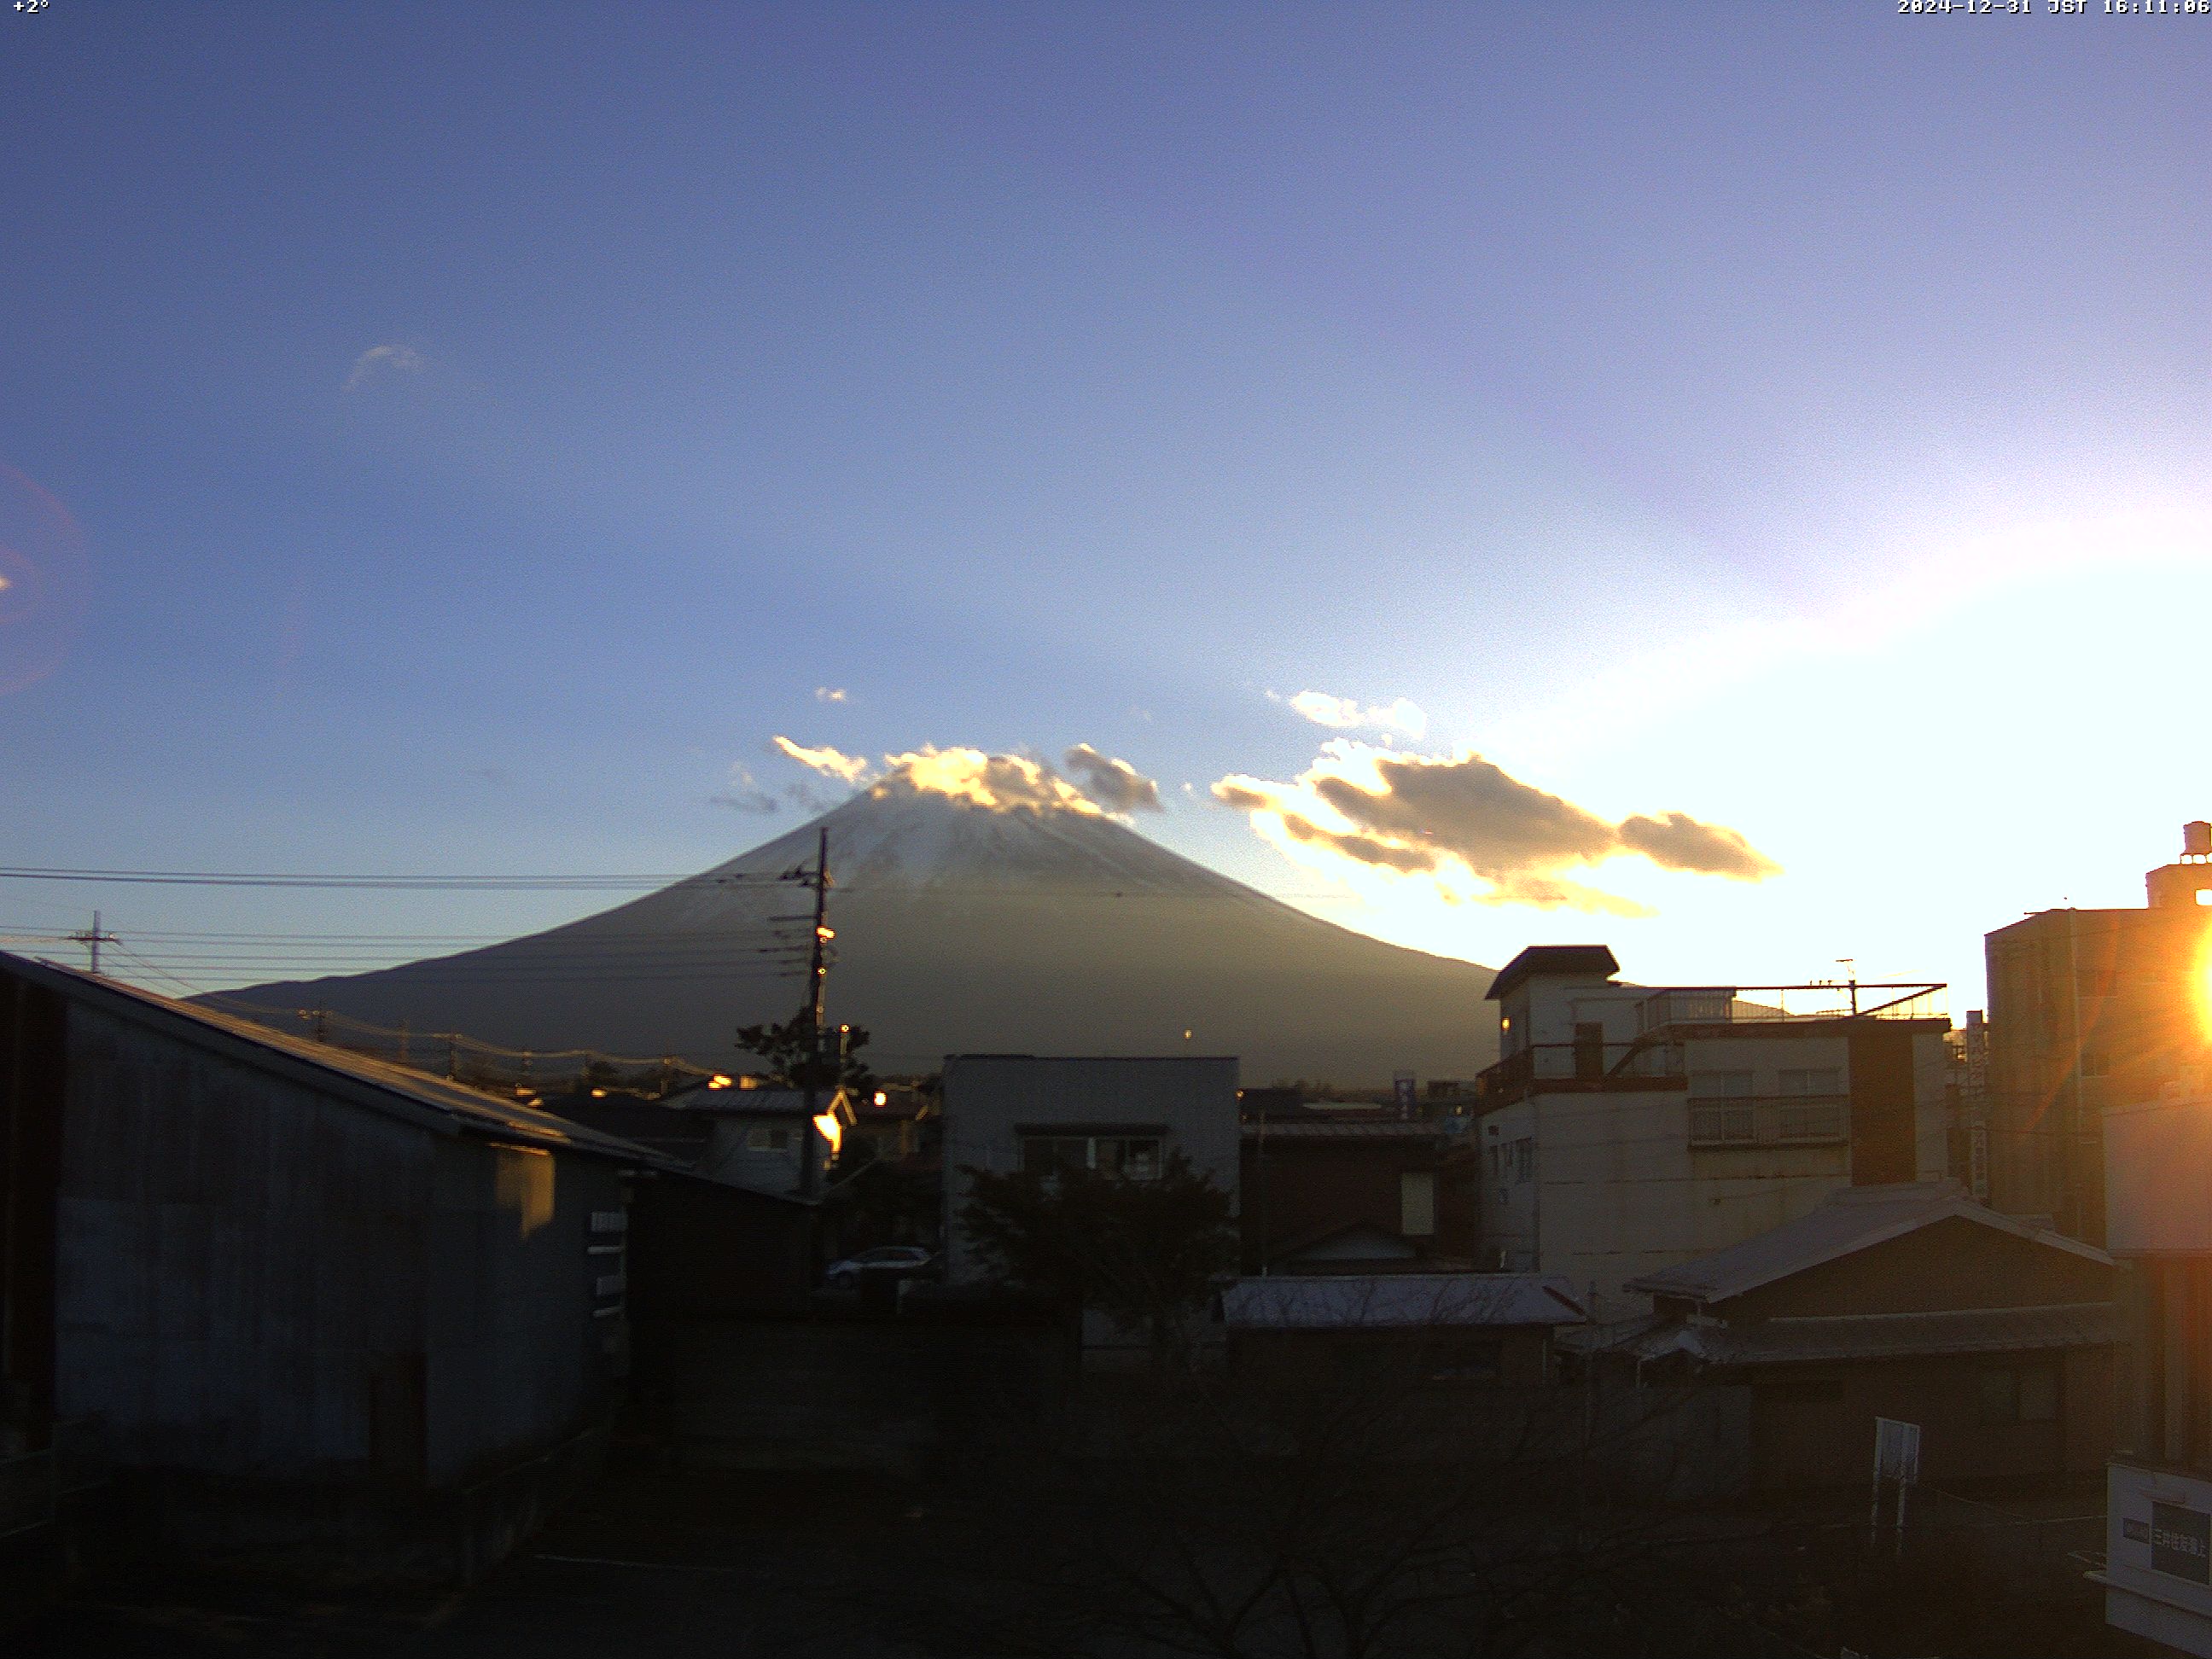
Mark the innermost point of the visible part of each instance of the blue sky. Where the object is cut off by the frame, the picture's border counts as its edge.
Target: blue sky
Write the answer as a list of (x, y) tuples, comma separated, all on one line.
[(485, 427)]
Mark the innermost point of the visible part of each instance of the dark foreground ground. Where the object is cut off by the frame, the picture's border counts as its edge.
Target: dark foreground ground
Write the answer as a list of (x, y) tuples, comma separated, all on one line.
[(672, 1565), (646, 1564)]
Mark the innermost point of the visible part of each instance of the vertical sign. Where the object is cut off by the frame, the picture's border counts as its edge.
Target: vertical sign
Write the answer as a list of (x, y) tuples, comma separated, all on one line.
[(1401, 1088)]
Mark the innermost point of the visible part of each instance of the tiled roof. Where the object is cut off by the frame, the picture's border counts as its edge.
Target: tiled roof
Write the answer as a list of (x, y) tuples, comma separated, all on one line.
[(1398, 1301), (1851, 1220), (432, 1102), (1879, 1336)]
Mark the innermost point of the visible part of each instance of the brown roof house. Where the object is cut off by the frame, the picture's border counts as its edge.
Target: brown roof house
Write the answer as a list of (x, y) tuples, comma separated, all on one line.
[(1480, 1329), (1909, 1301), (1340, 1191)]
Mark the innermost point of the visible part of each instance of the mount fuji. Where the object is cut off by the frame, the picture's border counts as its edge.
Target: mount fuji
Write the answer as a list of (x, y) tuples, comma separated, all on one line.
[(961, 927)]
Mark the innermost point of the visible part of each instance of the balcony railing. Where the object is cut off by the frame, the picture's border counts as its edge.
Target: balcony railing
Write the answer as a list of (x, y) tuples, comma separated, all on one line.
[(1624, 1064), (1770, 1120), (1724, 1005)]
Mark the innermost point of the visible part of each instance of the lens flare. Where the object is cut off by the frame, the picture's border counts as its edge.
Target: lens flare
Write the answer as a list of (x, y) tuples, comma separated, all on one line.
[(42, 581)]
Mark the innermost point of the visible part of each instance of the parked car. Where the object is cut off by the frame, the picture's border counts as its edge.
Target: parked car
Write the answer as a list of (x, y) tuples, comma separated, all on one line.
[(889, 1261)]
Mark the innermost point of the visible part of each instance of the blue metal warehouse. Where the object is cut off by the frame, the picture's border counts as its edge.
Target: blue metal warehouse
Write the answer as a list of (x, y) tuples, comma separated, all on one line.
[(282, 1293)]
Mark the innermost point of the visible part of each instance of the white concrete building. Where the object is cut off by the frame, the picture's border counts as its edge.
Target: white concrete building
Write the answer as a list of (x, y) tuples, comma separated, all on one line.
[(1626, 1128), (1125, 1116)]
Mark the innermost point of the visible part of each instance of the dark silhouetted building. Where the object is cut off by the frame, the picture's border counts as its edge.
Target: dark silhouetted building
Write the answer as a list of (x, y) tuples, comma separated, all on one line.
[(2090, 1008)]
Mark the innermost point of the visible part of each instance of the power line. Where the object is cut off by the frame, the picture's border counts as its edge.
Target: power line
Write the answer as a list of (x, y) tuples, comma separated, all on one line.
[(588, 883), (431, 884)]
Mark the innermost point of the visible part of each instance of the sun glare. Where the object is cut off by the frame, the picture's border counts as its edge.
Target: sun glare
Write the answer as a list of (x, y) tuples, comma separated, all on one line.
[(2201, 981)]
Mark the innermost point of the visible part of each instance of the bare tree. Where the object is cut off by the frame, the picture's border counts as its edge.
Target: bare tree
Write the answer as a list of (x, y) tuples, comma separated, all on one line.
[(1355, 1500)]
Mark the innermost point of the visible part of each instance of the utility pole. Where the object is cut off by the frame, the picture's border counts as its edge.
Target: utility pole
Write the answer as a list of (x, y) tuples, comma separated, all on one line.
[(92, 939), (817, 972), (817, 985)]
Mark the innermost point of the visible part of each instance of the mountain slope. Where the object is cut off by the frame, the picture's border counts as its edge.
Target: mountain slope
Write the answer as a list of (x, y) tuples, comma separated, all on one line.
[(960, 927)]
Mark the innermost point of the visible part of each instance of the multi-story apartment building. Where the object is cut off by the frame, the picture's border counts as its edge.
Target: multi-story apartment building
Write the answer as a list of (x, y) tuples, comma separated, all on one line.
[(2090, 1008), (1627, 1128)]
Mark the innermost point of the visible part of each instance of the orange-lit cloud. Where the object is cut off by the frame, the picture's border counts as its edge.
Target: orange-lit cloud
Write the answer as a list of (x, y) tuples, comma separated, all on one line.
[(1114, 783), (1001, 783), (851, 769), (1102, 785), (1474, 830)]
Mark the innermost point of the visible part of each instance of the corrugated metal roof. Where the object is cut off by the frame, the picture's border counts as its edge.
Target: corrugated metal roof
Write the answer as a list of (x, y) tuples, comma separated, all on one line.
[(1851, 1220), (1398, 1301), (1881, 1336), (432, 1102)]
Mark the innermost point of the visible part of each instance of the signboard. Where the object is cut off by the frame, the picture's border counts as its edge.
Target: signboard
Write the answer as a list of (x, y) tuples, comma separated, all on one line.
[(2181, 1543), (1896, 1450), (2158, 1555)]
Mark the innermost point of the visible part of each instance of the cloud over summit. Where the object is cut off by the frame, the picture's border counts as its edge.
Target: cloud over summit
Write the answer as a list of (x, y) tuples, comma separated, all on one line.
[(1114, 783), (1000, 783)]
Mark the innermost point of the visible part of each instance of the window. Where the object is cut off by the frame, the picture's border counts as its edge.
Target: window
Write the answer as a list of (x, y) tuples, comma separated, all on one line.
[(1417, 1204), (1821, 1120), (2038, 1394), (2028, 1393), (762, 1139), (1126, 1158), (1715, 1119), (1820, 1080), (1810, 1106)]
